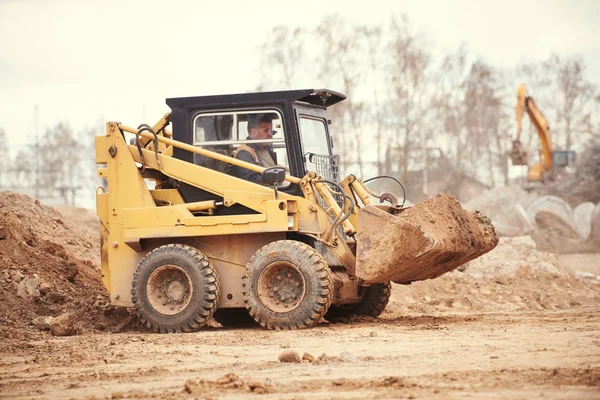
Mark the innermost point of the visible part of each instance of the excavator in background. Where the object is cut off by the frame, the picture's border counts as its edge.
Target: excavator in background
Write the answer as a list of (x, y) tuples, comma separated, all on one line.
[(548, 158)]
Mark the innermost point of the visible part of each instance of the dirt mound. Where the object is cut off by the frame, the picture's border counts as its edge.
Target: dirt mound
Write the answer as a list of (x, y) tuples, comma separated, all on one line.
[(83, 218), (50, 274), (553, 223), (513, 276), (584, 184), (499, 204)]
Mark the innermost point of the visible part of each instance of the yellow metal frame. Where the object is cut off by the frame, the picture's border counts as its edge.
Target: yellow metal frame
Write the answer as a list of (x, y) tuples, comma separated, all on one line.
[(133, 217)]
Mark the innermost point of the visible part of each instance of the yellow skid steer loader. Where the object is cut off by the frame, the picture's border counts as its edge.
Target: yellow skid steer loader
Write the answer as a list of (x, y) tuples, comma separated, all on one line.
[(188, 228)]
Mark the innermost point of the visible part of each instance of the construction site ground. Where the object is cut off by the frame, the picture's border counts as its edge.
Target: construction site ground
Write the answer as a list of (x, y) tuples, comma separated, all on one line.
[(516, 323), (550, 354)]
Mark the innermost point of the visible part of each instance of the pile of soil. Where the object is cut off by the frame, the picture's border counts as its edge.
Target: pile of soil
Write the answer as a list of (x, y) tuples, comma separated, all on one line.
[(513, 276), (50, 276), (547, 214), (83, 218), (499, 204)]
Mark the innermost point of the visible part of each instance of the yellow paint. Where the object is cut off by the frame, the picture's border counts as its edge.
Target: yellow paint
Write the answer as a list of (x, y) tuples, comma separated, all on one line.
[(136, 220), (526, 104)]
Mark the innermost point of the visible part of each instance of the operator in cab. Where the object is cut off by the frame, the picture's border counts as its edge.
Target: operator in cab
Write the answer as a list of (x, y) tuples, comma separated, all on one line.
[(260, 153)]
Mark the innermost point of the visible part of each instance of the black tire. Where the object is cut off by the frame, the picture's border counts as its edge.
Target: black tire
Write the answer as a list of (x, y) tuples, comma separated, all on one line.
[(191, 295), (305, 281), (374, 300)]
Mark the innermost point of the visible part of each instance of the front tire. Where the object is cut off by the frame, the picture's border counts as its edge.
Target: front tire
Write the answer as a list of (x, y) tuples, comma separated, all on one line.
[(372, 303), (287, 285), (175, 289)]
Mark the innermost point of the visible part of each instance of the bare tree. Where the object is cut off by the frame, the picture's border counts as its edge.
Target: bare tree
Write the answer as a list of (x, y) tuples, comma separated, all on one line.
[(483, 121), (576, 96), (4, 158), (374, 52), (341, 53), (23, 173), (403, 101), (410, 74), (448, 103), (282, 55), (60, 158)]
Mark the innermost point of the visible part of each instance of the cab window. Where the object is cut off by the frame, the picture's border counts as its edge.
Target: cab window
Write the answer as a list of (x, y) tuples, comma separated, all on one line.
[(314, 142), (224, 132)]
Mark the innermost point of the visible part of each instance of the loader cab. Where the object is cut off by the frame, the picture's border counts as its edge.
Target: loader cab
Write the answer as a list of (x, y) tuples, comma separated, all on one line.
[(300, 134)]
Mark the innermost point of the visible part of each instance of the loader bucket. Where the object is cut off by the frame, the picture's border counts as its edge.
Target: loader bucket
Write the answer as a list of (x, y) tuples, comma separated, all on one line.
[(420, 242)]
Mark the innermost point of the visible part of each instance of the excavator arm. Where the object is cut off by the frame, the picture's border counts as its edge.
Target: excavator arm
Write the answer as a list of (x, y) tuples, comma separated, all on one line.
[(519, 155)]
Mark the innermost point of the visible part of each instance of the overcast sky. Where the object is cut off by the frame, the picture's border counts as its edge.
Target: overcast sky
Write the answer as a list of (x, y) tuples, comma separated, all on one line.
[(82, 61)]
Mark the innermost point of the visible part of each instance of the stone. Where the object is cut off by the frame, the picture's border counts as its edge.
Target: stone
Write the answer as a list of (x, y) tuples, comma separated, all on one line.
[(56, 297), (6, 276), (28, 288), (308, 357), (347, 356), (585, 275), (547, 268), (191, 386), (42, 323), (17, 276), (289, 356), (324, 358), (62, 325), (71, 271), (45, 288), (227, 379), (3, 232), (255, 386), (373, 334)]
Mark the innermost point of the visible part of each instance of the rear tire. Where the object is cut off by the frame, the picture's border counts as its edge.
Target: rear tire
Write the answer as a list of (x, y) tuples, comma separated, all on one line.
[(287, 285), (371, 304), (175, 289)]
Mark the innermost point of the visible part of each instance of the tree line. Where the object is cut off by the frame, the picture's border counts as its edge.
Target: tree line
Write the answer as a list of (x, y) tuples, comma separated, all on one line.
[(412, 108), (59, 164), (413, 111)]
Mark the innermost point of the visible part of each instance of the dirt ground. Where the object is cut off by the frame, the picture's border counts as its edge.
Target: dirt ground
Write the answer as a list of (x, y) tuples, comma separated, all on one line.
[(515, 355), (515, 323)]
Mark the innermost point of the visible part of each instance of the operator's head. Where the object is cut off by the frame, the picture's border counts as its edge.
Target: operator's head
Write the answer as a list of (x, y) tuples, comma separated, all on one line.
[(259, 126)]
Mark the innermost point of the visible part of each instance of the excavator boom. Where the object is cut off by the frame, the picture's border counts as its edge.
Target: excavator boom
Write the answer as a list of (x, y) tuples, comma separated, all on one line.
[(519, 155)]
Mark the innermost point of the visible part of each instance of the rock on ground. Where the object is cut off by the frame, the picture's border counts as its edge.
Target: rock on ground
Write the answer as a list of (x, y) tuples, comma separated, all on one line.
[(289, 356)]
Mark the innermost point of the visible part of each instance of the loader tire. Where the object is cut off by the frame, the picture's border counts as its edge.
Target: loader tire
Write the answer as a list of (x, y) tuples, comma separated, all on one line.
[(374, 300), (287, 285), (175, 289)]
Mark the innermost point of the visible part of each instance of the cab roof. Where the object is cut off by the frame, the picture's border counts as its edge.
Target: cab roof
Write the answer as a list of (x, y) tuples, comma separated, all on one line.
[(316, 97)]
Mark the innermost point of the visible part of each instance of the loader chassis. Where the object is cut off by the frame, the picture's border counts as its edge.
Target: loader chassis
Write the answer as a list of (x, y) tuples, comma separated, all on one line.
[(182, 237)]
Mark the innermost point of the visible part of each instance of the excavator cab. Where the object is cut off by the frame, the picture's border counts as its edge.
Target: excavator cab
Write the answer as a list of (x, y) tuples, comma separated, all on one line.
[(563, 159)]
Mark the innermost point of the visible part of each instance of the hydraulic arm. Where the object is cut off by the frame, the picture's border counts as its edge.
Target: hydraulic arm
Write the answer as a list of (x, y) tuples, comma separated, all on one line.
[(519, 155)]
